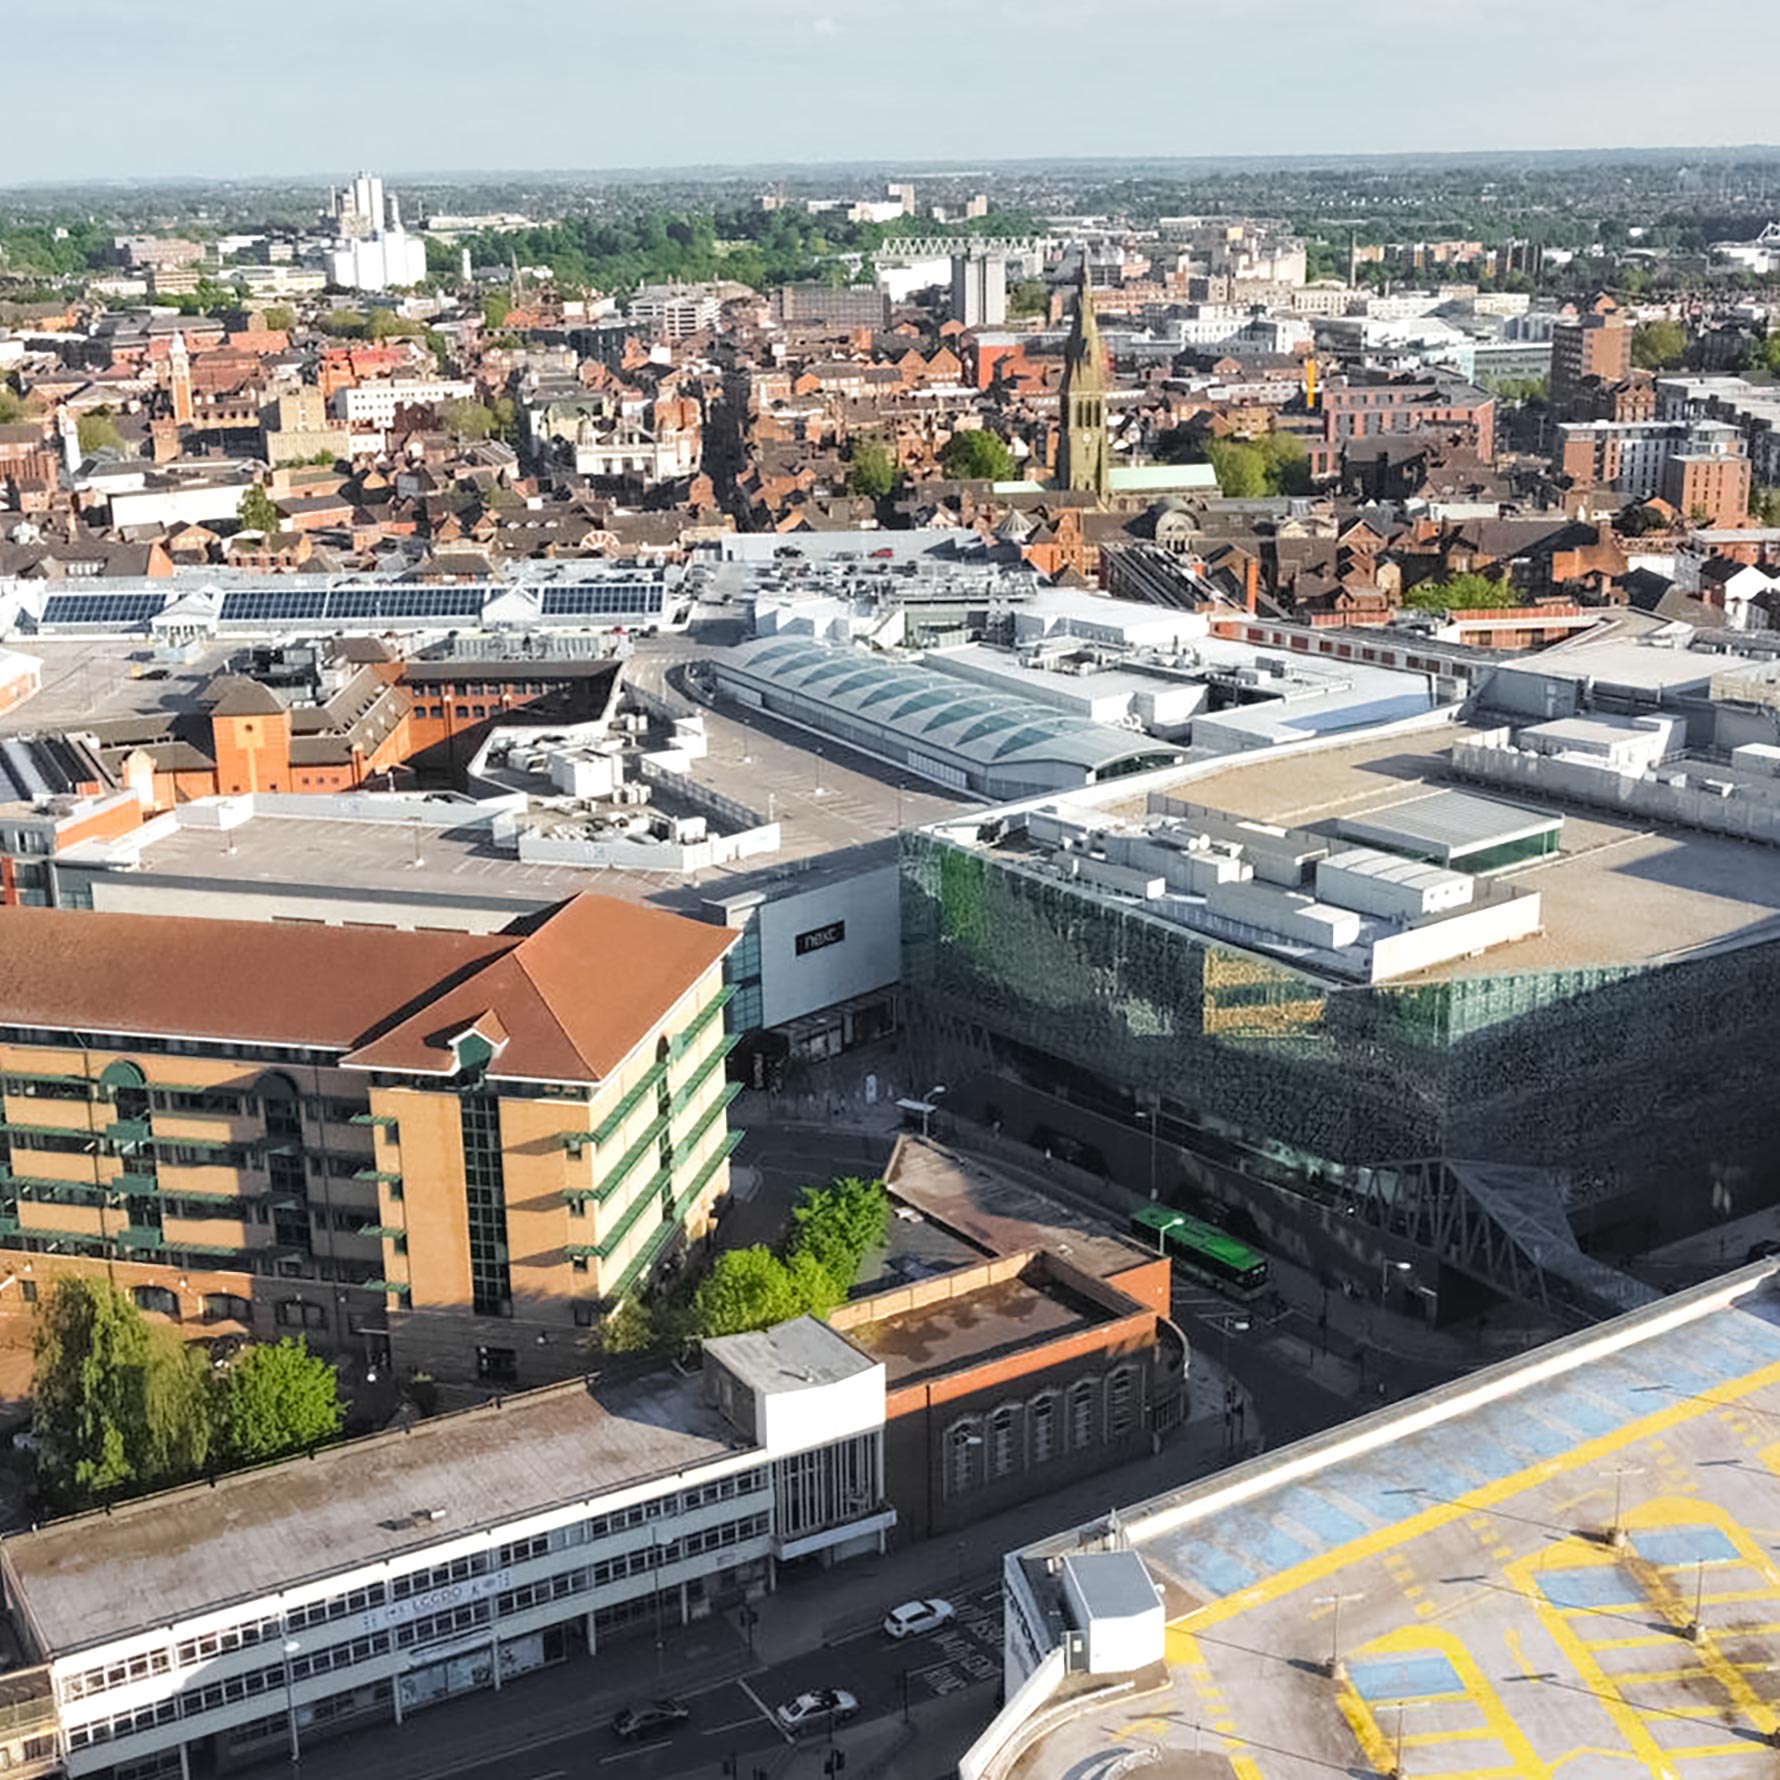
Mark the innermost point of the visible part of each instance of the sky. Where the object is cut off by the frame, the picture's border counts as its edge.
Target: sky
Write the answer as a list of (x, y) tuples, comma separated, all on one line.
[(170, 88)]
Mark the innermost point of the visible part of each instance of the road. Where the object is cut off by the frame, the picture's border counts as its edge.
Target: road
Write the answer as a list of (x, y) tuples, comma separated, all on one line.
[(734, 1718), (732, 1730)]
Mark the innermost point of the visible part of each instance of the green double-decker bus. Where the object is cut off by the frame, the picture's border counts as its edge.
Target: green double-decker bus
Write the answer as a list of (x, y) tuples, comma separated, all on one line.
[(1203, 1250)]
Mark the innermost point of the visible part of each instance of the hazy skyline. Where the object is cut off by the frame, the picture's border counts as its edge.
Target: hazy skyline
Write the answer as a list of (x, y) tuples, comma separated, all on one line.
[(597, 85)]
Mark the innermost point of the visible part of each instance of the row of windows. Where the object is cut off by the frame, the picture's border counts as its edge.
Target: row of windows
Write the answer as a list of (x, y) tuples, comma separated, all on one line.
[(356, 1600), (423, 1582), (552, 1588), (979, 1450), (220, 1642), (245, 1686), (122, 1724), (340, 1656), (434, 1628)]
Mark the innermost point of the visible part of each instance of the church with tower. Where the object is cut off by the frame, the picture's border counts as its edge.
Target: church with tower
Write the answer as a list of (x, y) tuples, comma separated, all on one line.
[(1084, 452)]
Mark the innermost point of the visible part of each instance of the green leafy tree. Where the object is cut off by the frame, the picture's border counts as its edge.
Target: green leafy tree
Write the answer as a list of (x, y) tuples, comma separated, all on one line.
[(468, 420), (747, 1288), (257, 513), (1659, 345), (976, 455), (1241, 469), (1030, 296), (281, 319), (98, 431), (1765, 355), (118, 1405), (1461, 593), (12, 405), (629, 1329), (495, 310), (872, 472), (838, 1225), (344, 324), (1764, 505), (275, 1400), (1286, 463)]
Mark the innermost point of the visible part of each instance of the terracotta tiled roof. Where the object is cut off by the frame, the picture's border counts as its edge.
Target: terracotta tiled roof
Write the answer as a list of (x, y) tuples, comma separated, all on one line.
[(574, 996)]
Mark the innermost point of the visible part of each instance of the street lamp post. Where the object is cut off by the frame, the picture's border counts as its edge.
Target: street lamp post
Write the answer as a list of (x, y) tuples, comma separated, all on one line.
[(1335, 1668), (291, 1647), (1386, 1267), (1174, 1223), (1152, 1116), (930, 1104)]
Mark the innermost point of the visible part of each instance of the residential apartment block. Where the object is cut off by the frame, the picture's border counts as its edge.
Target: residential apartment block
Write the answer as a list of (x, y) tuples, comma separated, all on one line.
[(1586, 349), (444, 1151)]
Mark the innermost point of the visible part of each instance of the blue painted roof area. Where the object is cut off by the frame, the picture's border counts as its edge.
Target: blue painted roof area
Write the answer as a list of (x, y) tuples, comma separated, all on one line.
[(1240, 1547)]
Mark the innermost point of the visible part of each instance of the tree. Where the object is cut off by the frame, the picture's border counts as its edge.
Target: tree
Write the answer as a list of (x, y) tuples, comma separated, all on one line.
[(1659, 345), (1030, 296), (98, 431), (629, 1329), (1764, 505), (747, 1288), (1285, 462), (1241, 469), (837, 1226), (467, 419), (1765, 354), (118, 1406), (257, 513), (976, 455), (1461, 593), (275, 1400), (281, 319), (12, 405), (495, 310), (873, 470)]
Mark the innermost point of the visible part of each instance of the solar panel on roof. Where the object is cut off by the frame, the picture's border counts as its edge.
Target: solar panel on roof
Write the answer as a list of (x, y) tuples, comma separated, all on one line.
[(116, 609), (264, 606), (604, 599)]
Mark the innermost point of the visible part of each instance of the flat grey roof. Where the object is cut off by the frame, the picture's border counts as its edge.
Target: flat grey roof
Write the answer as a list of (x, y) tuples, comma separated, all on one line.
[(1113, 1584), (1450, 823), (97, 1577), (802, 1352)]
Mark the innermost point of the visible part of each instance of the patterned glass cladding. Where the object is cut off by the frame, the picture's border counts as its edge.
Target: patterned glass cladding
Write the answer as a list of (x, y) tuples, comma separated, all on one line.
[(1555, 1068)]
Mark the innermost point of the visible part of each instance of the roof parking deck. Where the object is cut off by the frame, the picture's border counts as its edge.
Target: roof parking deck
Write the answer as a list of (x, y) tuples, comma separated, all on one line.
[(1560, 1567)]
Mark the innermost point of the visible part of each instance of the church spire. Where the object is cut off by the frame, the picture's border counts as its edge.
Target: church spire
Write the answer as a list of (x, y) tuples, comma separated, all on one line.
[(1083, 463)]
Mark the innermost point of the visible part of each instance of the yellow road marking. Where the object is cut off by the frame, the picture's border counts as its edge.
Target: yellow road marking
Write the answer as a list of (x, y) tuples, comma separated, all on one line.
[(1383, 1540)]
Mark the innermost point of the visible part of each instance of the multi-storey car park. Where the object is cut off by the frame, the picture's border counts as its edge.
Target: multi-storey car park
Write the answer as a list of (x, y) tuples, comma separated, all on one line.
[(1561, 1565), (454, 1151)]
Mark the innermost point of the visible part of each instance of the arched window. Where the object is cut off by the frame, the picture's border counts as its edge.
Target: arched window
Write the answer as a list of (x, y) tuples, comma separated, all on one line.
[(1081, 1413), (159, 1300), (1121, 1401), (226, 1307), (964, 1445), (1041, 1427), (1002, 1426)]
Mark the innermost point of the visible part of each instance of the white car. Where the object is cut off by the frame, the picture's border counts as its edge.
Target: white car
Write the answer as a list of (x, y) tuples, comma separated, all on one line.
[(915, 1617), (817, 1707)]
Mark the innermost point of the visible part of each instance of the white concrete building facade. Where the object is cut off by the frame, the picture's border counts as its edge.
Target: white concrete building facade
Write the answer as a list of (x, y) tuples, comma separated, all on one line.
[(212, 1625)]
